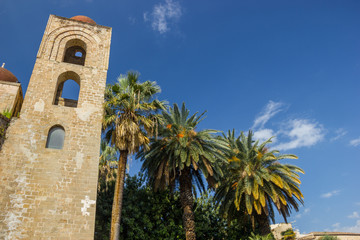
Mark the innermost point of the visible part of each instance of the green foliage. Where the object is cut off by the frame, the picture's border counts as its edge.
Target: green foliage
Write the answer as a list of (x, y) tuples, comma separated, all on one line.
[(289, 234), (256, 181), (130, 112), (7, 113), (210, 224), (259, 237), (145, 214), (157, 215), (327, 237), (180, 146), (129, 119), (182, 156)]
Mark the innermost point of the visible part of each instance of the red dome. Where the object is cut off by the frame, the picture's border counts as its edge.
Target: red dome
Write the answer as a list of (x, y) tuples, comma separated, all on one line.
[(82, 18), (7, 76)]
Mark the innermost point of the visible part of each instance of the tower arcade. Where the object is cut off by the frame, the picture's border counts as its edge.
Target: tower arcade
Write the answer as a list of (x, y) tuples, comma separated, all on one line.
[(49, 161)]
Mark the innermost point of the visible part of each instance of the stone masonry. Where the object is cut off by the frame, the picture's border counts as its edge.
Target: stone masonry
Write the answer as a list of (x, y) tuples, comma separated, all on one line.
[(50, 193), (11, 97)]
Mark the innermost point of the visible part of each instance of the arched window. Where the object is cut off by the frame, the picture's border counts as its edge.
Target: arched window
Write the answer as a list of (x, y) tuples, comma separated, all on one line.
[(55, 137), (75, 52), (67, 89)]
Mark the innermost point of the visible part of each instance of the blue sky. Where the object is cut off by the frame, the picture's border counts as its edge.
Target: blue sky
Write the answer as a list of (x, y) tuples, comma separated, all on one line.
[(289, 69)]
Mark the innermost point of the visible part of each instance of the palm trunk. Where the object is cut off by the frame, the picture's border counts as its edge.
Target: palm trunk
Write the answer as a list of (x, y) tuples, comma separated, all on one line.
[(187, 202), (264, 225), (118, 196)]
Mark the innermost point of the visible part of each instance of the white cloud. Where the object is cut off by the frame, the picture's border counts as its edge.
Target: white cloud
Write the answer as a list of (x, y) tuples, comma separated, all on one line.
[(305, 212), (355, 142), (339, 134), (302, 133), (291, 134), (264, 134), (354, 215), (330, 194), (163, 15), (336, 225), (353, 229), (270, 110)]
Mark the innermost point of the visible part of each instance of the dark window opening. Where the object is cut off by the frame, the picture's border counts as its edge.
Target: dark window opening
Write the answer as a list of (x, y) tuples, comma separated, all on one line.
[(75, 55), (75, 52), (68, 89), (55, 137)]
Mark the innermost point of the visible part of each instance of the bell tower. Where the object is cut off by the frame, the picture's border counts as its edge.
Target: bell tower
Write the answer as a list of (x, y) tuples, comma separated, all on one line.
[(49, 161)]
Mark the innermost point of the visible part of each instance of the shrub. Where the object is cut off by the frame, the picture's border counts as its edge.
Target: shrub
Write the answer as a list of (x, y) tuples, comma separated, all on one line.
[(6, 113), (259, 237), (327, 237), (288, 234)]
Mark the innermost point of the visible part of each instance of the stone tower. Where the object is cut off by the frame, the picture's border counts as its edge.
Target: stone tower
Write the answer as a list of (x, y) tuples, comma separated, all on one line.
[(49, 161)]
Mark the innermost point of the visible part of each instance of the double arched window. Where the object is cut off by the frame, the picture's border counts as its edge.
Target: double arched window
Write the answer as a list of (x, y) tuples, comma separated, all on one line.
[(56, 137)]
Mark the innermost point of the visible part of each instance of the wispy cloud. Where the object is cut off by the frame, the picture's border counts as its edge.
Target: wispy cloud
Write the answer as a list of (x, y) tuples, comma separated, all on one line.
[(330, 194), (264, 134), (270, 110), (291, 134), (302, 133), (339, 134), (354, 215), (305, 212), (355, 228), (355, 142), (163, 15)]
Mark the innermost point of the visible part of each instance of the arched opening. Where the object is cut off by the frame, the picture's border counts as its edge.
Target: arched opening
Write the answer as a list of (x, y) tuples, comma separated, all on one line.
[(67, 89), (75, 52), (56, 137)]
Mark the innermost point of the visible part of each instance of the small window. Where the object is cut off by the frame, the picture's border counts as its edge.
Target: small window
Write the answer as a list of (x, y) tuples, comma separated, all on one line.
[(75, 52), (55, 138)]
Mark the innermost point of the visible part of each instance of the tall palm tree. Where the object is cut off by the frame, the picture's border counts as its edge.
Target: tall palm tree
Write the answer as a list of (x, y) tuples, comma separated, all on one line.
[(181, 156), (129, 119), (256, 182)]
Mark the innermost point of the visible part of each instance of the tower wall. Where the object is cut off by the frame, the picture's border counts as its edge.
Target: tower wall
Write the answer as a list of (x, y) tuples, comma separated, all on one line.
[(50, 193), (11, 97)]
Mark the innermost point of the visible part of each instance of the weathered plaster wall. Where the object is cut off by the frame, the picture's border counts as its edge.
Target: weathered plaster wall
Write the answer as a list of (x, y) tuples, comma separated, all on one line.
[(11, 97), (50, 193)]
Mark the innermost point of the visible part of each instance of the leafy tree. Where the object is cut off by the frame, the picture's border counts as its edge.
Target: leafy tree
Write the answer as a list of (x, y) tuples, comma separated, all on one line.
[(157, 215), (211, 225), (146, 214), (129, 118), (256, 182), (181, 156)]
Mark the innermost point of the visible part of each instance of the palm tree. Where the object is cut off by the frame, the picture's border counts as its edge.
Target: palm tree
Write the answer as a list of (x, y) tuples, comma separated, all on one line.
[(181, 156), (256, 182), (107, 163), (129, 118)]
